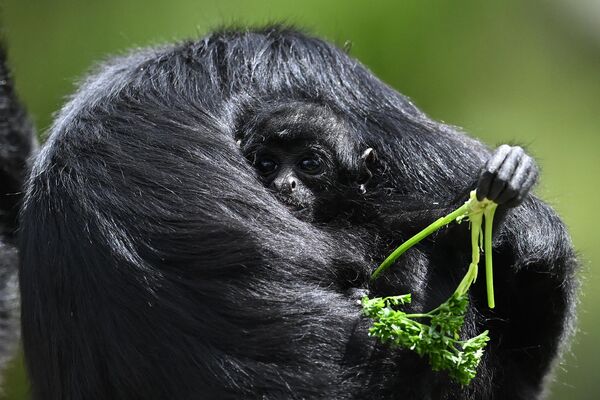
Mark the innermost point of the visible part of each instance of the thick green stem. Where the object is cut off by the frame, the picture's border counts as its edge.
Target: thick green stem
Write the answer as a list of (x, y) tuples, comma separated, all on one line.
[(488, 213), (476, 219), (464, 209), (421, 315)]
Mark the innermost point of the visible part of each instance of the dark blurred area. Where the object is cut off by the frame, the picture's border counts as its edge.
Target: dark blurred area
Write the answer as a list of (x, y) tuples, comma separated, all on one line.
[(516, 71)]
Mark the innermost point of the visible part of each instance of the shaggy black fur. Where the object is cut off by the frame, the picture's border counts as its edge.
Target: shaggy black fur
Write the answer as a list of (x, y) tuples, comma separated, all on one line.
[(155, 265), (16, 144)]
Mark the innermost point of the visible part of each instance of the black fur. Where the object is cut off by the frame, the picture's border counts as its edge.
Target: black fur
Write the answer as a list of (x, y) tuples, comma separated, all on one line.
[(155, 265), (16, 144)]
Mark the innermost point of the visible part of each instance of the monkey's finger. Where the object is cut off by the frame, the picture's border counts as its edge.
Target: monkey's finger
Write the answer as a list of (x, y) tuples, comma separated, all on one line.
[(498, 158), (489, 170), (532, 176), (514, 186), (529, 182), (505, 172)]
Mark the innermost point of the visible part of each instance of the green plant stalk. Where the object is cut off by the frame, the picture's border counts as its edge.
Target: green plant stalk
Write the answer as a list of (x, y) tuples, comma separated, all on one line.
[(488, 214), (440, 223), (471, 275)]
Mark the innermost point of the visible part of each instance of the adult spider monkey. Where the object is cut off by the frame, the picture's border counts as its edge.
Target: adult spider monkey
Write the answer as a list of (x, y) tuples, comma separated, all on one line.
[(203, 215)]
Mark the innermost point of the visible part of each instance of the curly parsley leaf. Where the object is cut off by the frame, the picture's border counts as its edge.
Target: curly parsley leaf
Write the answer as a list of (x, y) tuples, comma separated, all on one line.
[(435, 334)]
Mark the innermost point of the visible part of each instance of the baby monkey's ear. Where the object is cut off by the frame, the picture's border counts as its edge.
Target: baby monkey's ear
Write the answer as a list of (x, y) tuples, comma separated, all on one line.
[(365, 167)]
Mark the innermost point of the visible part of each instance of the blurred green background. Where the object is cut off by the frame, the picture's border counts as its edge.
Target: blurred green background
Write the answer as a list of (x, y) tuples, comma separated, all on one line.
[(510, 71)]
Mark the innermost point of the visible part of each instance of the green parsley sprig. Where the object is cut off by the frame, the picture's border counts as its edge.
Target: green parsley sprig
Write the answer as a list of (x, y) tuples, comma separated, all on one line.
[(436, 334)]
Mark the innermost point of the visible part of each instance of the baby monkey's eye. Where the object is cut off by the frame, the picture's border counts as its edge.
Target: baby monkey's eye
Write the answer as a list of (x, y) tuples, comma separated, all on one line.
[(265, 166), (311, 165)]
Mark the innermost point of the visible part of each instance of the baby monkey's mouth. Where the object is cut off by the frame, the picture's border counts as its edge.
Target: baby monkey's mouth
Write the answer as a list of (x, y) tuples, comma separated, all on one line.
[(293, 204), (301, 208)]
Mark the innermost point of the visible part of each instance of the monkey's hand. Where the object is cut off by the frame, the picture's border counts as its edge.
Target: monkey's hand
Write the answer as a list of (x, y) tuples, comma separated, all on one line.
[(507, 177)]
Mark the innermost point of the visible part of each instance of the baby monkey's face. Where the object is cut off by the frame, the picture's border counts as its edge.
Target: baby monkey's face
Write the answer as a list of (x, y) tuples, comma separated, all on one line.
[(302, 153), (298, 171)]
